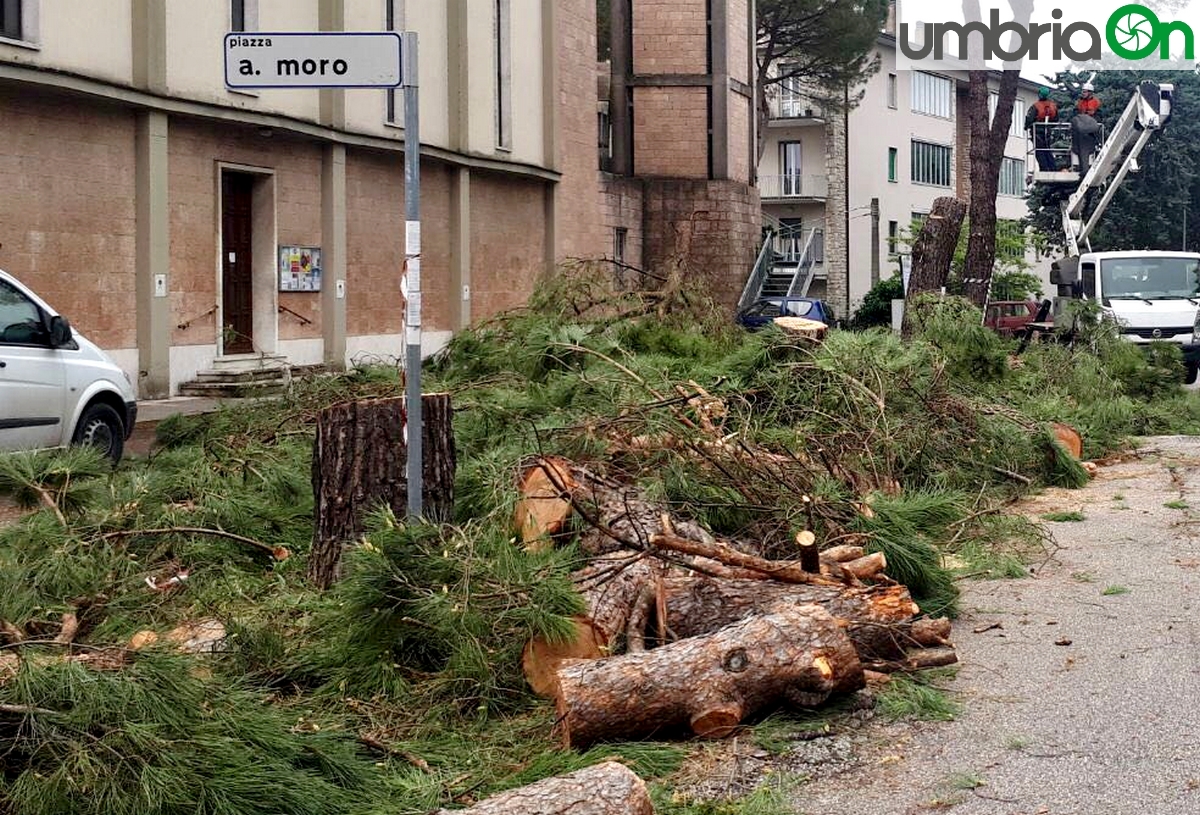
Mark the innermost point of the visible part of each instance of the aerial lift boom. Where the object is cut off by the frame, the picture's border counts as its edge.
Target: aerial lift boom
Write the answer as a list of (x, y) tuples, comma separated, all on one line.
[(1147, 112)]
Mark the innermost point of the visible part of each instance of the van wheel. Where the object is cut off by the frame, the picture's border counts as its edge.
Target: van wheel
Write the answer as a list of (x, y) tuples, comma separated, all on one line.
[(101, 427)]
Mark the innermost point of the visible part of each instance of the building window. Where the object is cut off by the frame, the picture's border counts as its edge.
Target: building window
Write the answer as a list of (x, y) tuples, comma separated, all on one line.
[(620, 235), (10, 19), (393, 20), (502, 26), (893, 162), (243, 15), (932, 95), (930, 164), (1017, 126), (893, 236), (891, 91), (790, 181), (1012, 177)]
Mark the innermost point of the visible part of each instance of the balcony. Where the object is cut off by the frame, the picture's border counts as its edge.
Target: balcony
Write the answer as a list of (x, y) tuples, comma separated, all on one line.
[(794, 187), (788, 109)]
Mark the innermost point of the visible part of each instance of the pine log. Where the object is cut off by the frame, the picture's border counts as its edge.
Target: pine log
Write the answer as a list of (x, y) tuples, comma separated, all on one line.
[(810, 555), (603, 789), (797, 654), (878, 619), (611, 586), (1069, 438), (545, 503), (783, 571), (867, 567), (360, 462), (843, 553)]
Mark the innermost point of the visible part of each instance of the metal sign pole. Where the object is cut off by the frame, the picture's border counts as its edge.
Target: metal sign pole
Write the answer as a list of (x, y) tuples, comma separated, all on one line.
[(412, 251)]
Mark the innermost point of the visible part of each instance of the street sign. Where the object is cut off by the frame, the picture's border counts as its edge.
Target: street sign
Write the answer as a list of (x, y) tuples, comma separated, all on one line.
[(369, 59)]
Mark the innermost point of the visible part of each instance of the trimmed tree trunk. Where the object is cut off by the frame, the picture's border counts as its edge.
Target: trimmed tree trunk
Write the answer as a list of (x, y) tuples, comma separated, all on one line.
[(603, 789), (545, 504), (879, 620), (359, 462), (613, 586), (988, 140), (797, 654), (933, 252)]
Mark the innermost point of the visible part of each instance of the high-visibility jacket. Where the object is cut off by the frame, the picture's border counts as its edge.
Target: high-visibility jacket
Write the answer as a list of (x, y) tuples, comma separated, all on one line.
[(1045, 110), (1088, 105)]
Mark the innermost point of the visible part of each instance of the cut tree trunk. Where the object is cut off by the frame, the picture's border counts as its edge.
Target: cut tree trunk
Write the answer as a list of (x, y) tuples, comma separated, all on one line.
[(796, 654), (359, 463), (613, 587), (545, 503), (933, 251), (802, 327), (603, 789), (879, 619)]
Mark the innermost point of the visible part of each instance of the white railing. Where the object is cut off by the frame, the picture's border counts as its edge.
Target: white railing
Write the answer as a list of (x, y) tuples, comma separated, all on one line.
[(793, 186), (788, 106)]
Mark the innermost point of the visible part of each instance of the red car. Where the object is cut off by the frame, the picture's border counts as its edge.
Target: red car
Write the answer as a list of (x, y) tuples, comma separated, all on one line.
[(1007, 317)]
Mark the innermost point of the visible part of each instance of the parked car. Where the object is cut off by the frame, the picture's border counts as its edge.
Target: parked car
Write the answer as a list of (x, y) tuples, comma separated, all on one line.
[(1007, 317), (766, 309), (56, 388)]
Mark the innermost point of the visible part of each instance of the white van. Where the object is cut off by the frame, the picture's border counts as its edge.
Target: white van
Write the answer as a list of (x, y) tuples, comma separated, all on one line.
[(56, 388)]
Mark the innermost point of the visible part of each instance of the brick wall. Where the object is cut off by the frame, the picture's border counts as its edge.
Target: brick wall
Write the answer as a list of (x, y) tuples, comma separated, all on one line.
[(621, 207), (739, 39), (711, 227), (670, 132), (67, 214), (507, 241), (670, 36), (740, 132), (375, 244), (194, 148), (580, 234)]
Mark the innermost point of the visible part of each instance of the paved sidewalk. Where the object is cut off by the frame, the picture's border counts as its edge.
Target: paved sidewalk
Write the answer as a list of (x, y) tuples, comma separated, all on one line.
[(1083, 702)]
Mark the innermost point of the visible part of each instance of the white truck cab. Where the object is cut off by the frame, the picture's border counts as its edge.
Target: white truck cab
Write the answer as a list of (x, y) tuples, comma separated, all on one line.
[(56, 388), (1151, 295)]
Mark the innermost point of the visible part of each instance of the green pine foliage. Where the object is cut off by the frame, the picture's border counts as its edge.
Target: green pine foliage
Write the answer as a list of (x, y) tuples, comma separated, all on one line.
[(417, 650)]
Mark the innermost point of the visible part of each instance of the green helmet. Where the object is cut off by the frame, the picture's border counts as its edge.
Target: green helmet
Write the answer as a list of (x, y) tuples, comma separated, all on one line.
[(1043, 93)]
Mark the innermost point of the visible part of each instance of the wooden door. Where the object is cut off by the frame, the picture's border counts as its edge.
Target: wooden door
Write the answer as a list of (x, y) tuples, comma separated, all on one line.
[(236, 280)]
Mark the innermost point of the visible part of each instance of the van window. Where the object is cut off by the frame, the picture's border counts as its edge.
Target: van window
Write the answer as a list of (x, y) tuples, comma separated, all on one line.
[(20, 319), (1087, 275)]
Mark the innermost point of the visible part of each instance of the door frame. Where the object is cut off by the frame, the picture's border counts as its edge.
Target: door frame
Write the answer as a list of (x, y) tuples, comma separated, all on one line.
[(264, 285)]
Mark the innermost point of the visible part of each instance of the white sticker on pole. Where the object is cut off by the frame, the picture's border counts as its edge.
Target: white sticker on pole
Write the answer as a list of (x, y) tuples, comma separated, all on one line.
[(412, 238), (414, 275), (413, 314)]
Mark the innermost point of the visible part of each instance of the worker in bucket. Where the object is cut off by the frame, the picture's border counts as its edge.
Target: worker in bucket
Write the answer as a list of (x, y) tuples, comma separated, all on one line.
[(1088, 104), (1043, 112)]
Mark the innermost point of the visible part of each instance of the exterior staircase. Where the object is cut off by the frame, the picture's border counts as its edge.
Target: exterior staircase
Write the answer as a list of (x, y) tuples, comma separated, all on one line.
[(781, 270), (241, 378)]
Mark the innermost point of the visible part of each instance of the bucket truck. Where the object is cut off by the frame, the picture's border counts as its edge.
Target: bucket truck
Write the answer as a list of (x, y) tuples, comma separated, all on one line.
[(1152, 295)]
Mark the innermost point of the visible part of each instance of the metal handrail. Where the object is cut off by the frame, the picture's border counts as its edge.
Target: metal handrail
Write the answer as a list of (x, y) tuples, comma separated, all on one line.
[(758, 273), (186, 324), (806, 267)]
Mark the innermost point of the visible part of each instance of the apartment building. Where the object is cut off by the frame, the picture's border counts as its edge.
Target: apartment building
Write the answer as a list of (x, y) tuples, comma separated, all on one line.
[(844, 188)]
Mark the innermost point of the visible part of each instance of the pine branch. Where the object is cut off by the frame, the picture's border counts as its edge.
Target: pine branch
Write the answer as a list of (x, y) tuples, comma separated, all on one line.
[(277, 552)]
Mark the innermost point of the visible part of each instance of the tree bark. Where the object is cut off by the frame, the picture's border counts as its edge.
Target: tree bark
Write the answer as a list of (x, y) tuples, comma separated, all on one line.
[(603, 789), (879, 620), (796, 654), (933, 252), (988, 140), (612, 586), (359, 463)]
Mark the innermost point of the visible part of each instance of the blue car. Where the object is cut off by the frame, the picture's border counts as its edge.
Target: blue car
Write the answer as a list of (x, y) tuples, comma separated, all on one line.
[(766, 309)]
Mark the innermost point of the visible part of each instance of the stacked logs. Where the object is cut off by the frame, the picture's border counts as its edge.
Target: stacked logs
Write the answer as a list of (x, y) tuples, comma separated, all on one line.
[(685, 631)]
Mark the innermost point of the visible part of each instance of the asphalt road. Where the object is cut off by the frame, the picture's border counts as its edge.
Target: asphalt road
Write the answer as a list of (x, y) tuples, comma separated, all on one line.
[(1107, 724)]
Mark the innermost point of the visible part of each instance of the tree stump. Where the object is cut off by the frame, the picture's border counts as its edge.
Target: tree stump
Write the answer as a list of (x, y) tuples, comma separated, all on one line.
[(604, 789), (798, 654), (933, 252), (360, 461)]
